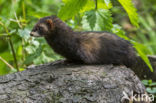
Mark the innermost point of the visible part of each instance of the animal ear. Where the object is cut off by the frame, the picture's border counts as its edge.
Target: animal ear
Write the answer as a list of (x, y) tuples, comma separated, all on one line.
[(50, 23)]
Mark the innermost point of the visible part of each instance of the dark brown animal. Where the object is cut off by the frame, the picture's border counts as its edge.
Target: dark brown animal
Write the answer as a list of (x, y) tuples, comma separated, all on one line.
[(85, 47)]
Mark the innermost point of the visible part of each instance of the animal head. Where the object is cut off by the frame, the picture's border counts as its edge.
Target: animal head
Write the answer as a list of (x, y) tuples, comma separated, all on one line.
[(43, 27)]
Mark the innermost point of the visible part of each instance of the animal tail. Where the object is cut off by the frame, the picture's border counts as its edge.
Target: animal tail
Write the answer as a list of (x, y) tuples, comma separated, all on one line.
[(142, 70)]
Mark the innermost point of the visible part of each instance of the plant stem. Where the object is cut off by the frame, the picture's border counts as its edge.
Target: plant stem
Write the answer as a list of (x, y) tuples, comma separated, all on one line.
[(18, 22), (96, 6), (23, 9), (11, 44), (6, 30), (13, 52)]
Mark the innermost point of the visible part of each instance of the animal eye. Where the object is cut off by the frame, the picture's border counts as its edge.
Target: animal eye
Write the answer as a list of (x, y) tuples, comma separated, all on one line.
[(40, 28)]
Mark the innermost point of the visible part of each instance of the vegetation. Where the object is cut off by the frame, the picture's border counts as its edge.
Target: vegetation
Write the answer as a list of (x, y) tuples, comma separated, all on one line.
[(17, 17)]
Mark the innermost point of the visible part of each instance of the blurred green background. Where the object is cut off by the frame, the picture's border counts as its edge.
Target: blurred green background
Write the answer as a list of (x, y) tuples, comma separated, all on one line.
[(17, 17)]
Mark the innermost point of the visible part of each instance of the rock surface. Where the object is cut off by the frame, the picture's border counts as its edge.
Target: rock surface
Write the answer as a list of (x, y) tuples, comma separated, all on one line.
[(58, 83)]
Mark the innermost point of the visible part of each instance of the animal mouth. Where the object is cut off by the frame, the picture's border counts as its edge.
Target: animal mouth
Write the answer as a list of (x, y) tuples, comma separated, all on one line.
[(35, 34)]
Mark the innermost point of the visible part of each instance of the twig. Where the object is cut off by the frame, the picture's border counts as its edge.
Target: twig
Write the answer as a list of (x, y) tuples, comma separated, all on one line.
[(10, 66), (18, 22), (5, 36)]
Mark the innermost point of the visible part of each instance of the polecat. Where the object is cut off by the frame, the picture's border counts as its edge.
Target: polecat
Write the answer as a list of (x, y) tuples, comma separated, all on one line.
[(89, 47)]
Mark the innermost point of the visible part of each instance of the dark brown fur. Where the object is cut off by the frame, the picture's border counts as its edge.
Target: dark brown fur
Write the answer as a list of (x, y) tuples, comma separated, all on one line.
[(87, 47)]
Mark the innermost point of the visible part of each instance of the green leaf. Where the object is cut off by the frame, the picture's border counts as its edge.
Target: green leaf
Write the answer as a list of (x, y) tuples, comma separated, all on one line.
[(145, 82), (24, 33), (151, 90), (13, 70), (85, 24), (107, 2), (7, 56), (118, 31), (153, 84), (65, 1), (148, 83), (71, 8), (104, 19), (100, 20), (139, 47), (142, 54), (101, 4), (30, 58), (4, 69), (131, 11), (91, 18)]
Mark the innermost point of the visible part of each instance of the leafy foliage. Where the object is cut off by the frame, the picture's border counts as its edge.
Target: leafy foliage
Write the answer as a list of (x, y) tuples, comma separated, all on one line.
[(17, 26), (31, 57), (147, 23), (71, 8), (101, 4), (101, 18), (104, 20), (91, 18), (131, 11), (151, 86)]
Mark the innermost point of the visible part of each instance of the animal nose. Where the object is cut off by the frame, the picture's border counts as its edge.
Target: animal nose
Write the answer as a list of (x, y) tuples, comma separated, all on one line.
[(31, 34)]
